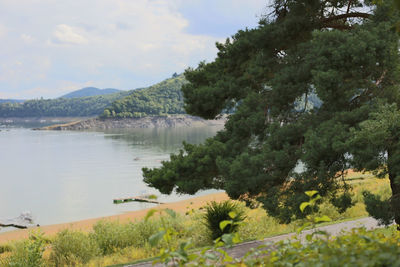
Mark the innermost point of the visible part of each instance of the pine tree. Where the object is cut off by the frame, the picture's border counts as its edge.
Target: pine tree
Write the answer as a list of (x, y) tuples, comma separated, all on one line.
[(306, 86)]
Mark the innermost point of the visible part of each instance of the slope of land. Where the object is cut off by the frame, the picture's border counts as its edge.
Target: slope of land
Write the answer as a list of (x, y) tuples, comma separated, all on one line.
[(163, 98), (160, 99), (90, 91)]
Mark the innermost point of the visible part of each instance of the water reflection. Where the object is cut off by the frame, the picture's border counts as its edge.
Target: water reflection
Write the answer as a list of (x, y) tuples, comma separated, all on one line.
[(69, 176), (164, 139)]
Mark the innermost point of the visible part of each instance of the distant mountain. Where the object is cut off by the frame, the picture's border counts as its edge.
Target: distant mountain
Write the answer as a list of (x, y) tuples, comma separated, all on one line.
[(90, 91), (11, 100)]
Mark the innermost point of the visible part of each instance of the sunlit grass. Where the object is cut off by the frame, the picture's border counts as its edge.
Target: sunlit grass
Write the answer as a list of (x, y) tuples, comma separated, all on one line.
[(119, 243)]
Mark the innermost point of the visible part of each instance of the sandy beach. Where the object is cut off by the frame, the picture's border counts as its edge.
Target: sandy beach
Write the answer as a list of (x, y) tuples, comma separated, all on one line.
[(86, 225)]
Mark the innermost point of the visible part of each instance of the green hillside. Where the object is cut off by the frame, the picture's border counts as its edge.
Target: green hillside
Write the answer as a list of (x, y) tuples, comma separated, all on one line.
[(60, 107), (163, 98)]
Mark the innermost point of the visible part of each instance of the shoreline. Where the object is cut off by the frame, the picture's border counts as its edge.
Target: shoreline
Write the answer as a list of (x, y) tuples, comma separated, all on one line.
[(167, 121), (87, 224)]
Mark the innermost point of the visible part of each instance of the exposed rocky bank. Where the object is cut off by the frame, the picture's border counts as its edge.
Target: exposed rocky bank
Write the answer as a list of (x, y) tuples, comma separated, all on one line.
[(170, 121)]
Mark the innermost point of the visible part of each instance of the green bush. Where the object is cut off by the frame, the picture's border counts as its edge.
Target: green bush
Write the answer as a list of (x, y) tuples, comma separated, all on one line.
[(111, 236), (358, 248), (71, 247), (143, 230), (218, 212), (27, 253)]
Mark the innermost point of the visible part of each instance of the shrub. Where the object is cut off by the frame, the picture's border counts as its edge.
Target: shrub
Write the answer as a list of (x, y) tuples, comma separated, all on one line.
[(111, 236), (218, 212), (358, 248), (27, 253), (71, 247), (144, 229)]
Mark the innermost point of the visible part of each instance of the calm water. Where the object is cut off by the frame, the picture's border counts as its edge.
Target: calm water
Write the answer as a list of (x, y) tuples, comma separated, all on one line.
[(68, 176)]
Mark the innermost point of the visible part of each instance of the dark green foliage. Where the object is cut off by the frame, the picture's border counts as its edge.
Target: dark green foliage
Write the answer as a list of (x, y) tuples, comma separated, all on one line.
[(379, 209), (163, 98), (216, 212), (343, 202), (345, 61)]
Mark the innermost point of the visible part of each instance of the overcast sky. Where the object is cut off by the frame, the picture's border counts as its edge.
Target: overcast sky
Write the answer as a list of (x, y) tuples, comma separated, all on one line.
[(51, 47)]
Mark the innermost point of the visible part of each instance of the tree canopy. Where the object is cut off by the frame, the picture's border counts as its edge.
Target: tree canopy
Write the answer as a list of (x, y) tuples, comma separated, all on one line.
[(162, 98), (341, 56)]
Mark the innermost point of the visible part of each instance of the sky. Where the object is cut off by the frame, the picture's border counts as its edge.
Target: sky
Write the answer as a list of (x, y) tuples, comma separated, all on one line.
[(52, 47)]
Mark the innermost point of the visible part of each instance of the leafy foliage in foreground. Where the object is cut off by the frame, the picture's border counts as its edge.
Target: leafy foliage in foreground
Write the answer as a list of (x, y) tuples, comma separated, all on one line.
[(318, 248), (216, 212), (347, 59), (359, 248), (127, 242)]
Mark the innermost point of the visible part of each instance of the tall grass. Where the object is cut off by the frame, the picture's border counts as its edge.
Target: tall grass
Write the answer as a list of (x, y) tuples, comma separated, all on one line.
[(27, 253), (113, 242), (70, 248)]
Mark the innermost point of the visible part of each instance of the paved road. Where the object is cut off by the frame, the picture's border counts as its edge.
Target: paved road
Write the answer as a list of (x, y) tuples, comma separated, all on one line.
[(240, 250)]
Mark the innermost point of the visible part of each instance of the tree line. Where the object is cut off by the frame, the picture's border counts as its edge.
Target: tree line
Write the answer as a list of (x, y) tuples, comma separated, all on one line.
[(163, 98)]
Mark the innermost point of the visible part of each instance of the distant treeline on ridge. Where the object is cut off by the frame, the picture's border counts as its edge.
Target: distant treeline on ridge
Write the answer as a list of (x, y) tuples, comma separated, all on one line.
[(162, 98)]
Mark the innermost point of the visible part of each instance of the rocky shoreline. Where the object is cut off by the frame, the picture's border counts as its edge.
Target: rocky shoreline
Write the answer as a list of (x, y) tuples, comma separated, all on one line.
[(170, 121)]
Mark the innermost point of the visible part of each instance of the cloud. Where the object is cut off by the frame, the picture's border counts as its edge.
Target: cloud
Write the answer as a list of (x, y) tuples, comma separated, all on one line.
[(3, 30), (114, 43), (26, 38), (65, 34)]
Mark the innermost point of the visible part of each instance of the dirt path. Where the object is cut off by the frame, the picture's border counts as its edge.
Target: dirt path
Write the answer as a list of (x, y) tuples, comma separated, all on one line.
[(240, 250)]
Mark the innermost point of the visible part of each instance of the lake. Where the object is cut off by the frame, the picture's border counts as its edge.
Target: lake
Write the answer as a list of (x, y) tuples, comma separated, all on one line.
[(67, 176)]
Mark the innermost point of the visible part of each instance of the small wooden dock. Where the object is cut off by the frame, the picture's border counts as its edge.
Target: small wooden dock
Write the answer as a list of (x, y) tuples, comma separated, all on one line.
[(136, 199)]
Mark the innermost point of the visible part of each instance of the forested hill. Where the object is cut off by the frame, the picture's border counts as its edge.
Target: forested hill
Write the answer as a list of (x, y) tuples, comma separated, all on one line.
[(90, 91), (60, 107), (163, 98)]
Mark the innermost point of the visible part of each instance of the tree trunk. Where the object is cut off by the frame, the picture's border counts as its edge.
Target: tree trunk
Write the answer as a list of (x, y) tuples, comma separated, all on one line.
[(394, 178)]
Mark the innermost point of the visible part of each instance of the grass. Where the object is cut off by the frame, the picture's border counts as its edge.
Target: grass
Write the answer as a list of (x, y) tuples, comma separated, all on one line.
[(115, 243)]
